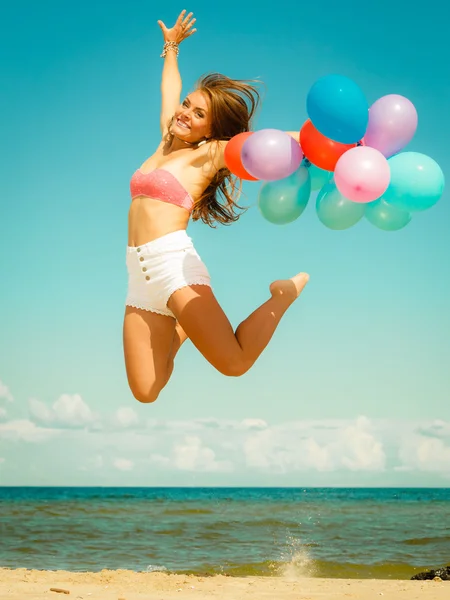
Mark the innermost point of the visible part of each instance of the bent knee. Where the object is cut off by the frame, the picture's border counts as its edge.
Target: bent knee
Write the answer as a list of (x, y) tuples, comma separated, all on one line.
[(146, 398), (146, 395), (234, 368)]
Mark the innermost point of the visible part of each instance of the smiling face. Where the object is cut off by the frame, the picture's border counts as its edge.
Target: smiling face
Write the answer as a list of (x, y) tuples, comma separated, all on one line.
[(192, 119)]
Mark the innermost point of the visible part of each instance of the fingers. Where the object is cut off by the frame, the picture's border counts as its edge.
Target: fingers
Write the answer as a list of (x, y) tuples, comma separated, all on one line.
[(186, 20), (181, 17), (188, 26), (161, 24)]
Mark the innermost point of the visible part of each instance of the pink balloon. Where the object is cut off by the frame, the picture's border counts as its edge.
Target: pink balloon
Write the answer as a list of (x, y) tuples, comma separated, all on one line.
[(392, 124), (362, 174)]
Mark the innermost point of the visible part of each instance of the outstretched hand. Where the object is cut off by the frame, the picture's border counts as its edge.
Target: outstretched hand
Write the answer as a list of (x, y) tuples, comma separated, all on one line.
[(181, 30)]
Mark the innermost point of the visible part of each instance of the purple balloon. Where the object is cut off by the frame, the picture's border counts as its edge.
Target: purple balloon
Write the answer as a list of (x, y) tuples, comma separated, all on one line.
[(392, 124), (271, 154)]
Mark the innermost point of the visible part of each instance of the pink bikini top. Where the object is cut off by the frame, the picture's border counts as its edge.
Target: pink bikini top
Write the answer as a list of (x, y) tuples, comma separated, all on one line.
[(161, 185)]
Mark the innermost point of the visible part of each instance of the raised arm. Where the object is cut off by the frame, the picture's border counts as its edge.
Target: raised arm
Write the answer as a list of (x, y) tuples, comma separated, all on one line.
[(171, 79)]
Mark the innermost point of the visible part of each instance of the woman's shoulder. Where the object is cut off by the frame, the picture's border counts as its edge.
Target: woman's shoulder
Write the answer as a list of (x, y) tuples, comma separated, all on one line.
[(212, 152)]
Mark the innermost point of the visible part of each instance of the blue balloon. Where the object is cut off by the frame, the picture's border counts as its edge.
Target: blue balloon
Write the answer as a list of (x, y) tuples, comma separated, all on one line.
[(417, 181), (335, 211), (385, 216), (338, 109), (283, 201)]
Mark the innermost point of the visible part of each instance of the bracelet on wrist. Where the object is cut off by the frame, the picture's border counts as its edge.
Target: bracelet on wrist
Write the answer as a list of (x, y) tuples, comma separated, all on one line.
[(169, 46)]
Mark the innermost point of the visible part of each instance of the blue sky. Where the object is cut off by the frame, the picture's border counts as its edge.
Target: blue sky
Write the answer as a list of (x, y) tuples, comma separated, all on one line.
[(363, 355)]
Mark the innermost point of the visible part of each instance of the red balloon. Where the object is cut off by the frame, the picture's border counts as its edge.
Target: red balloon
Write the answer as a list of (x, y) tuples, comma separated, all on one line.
[(232, 156), (320, 150)]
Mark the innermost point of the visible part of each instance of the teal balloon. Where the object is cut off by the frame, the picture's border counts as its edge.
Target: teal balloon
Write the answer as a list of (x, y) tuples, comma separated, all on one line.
[(283, 201), (417, 182), (335, 211), (385, 216), (319, 177)]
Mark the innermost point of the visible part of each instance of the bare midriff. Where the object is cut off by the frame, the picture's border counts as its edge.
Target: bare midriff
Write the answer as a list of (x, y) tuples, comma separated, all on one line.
[(149, 219)]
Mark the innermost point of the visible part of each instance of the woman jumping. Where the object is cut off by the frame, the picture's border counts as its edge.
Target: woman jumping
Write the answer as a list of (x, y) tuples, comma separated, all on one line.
[(169, 295)]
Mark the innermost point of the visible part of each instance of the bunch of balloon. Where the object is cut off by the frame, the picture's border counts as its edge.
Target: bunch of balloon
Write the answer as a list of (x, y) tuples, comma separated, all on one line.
[(275, 158), (416, 180), (361, 147)]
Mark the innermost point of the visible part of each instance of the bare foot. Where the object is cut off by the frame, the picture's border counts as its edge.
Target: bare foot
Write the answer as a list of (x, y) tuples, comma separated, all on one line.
[(290, 289)]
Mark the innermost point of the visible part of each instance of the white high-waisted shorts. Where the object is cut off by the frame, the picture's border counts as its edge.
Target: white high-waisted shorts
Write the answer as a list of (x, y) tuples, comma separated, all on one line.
[(159, 268)]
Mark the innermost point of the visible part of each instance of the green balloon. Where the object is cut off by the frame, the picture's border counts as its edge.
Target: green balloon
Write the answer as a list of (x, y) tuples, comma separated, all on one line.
[(335, 211), (417, 181), (319, 177), (386, 216), (283, 201)]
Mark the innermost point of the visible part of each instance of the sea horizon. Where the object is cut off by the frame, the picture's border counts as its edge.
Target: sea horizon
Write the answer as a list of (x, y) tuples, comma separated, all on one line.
[(244, 487)]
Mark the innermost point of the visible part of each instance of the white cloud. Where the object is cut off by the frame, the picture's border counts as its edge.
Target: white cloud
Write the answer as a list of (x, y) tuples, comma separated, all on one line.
[(3, 413), (123, 464), (209, 423), (184, 426), (2, 460), (359, 450), (68, 411), (438, 429), (301, 446), (40, 412), (126, 418), (425, 454), (26, 431), (316, 456), (5, 394), (192, 455), (281, 450), (253, 424), (249, 449), (258, 450)]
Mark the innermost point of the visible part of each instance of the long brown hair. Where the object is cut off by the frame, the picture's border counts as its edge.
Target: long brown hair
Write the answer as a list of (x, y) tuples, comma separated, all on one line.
[(233, 105)]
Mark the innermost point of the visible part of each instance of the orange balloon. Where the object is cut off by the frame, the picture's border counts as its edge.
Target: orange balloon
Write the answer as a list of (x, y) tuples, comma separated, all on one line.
[(232, 156), (320, 150)]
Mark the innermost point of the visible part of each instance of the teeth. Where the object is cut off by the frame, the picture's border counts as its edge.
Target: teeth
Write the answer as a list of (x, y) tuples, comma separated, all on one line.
[(181, 124)]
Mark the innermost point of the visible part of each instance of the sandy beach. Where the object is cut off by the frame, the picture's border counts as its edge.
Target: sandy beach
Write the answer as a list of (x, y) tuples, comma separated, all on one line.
[(23, 584)]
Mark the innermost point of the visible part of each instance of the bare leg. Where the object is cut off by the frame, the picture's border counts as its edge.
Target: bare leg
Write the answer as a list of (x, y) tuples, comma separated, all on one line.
[(200, 315), (179, 337), (147, 342)]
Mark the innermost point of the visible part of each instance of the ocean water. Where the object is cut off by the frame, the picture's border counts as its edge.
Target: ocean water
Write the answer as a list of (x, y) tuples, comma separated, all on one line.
[(377, 533)]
